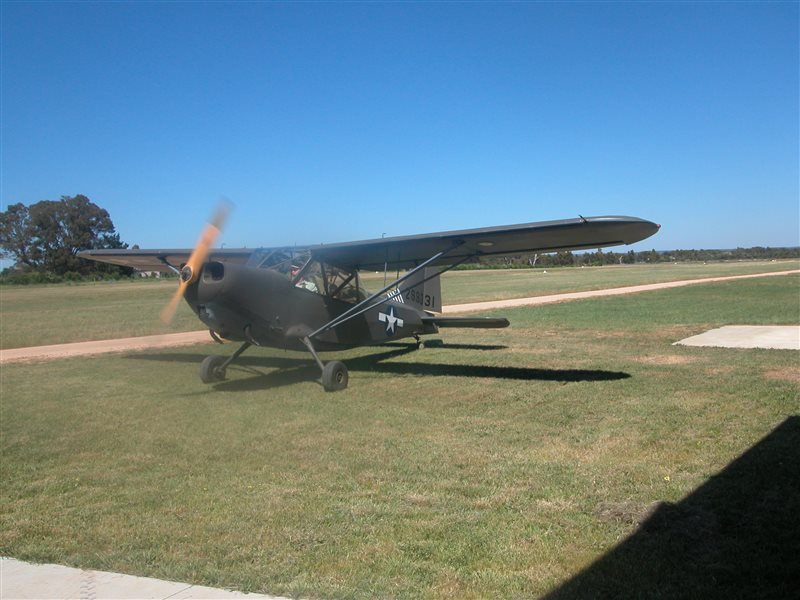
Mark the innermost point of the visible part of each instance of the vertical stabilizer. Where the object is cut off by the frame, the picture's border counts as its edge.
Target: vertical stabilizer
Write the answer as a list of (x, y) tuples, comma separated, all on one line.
[(427, 295)]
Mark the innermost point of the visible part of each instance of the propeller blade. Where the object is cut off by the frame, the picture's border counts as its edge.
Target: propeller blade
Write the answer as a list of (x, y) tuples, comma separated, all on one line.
[(203, 247), (168, 312), (191, 270)]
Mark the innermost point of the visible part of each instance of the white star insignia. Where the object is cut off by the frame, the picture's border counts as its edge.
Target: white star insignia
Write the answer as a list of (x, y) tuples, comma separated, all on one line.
[(390, 320)]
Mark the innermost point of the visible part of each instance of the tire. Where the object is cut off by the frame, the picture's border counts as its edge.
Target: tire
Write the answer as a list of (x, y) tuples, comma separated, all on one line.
[(211, 369), (334, 376)]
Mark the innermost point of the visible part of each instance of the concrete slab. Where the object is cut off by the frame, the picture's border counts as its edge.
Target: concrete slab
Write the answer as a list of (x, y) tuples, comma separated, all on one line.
[(780, 337), (19, 579)]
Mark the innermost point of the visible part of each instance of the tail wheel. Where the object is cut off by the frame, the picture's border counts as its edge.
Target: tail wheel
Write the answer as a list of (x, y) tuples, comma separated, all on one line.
[(334, 376), (212, 369)]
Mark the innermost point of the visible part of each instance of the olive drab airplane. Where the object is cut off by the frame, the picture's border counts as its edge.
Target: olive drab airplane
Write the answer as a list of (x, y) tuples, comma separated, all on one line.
[(311, 298)]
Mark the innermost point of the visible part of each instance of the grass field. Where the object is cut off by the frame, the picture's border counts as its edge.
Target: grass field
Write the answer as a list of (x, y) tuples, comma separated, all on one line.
[(38, 315), (506, 463), (523, 283)]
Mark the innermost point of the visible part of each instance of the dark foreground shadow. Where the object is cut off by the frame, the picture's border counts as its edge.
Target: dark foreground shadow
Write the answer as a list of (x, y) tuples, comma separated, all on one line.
[(737, 536), (287, 370)]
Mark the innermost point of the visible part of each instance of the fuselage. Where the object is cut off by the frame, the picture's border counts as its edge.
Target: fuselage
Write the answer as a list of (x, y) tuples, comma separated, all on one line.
[(266, 307)]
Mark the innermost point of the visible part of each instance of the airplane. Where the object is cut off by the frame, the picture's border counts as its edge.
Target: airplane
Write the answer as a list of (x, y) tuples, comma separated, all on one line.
[(311, 298)]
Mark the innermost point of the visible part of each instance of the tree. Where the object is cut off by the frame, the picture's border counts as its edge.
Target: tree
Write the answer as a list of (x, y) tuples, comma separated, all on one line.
[(16, 240), (48, 235)]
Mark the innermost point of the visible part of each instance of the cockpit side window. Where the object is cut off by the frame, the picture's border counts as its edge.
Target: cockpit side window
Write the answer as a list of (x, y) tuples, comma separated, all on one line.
[(312, 275), (345, 285), (329, 281)]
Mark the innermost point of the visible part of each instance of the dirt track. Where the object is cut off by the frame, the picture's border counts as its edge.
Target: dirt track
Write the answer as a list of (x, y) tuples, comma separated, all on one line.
[(38, 353), (103, 346), (632, 289)]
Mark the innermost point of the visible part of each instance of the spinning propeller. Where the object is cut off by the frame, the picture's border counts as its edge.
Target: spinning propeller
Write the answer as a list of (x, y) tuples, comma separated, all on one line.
[(191, 270)]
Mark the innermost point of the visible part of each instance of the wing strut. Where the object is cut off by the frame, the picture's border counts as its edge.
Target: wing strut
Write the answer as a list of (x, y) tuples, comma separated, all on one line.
[(164, 260), (368, 303)]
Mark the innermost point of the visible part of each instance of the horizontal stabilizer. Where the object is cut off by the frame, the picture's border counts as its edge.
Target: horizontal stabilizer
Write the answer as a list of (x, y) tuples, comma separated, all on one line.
[(471, 322)]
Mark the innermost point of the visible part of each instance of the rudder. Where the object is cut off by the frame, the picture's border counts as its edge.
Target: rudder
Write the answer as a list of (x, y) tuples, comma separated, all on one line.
[(425, 295)]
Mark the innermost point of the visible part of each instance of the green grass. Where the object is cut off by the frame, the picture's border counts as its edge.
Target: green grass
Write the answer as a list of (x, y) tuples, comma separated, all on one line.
[(466, 471), (468, 286), (53, 314)]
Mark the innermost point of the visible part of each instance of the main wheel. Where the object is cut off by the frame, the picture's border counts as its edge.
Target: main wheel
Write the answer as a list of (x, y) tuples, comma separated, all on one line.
[(212, 369), (334, 376)]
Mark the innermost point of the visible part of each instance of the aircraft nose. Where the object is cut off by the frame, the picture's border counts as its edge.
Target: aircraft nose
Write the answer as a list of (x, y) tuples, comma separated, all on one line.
[(209, 285)]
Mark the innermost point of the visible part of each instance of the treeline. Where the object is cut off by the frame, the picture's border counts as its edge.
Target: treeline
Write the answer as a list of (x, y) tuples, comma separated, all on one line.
[(600, 258), (16, 277), (44, 240)]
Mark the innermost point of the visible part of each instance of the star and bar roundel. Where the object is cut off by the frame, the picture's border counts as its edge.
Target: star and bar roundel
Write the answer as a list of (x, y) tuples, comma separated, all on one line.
[(391, 320)]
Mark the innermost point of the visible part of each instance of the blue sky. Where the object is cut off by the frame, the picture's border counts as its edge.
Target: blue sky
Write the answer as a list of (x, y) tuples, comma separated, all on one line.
[(328, 122)]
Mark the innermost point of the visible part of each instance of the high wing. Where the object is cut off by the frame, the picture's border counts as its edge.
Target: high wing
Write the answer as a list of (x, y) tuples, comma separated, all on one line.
[(545, 236), (163, 260), (410, 251)]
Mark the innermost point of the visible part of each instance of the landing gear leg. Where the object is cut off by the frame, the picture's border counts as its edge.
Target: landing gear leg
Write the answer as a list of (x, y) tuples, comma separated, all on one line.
[(213, 368), (334, 374), (420, 343)]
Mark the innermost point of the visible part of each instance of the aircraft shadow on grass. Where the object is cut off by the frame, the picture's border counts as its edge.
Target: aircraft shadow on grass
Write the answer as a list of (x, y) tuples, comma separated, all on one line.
[(736, 536), (436, 343), (289, 370)]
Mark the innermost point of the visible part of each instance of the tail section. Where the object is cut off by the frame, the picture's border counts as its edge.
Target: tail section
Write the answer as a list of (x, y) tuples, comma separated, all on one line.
[(421, 294), (424, 292)]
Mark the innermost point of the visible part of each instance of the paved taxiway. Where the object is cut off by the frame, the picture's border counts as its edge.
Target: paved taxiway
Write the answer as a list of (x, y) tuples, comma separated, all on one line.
[(23, 580)]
